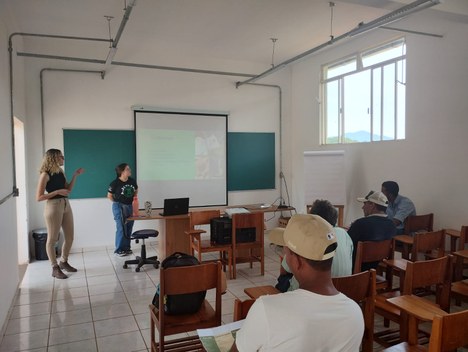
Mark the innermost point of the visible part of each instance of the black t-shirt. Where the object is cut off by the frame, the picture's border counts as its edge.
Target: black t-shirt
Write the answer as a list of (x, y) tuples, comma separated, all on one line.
[(56, 181), (371, 228), (123, 192)]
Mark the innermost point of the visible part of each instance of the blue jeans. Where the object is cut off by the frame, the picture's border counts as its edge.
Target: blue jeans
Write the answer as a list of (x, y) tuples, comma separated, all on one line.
[(122, 240)]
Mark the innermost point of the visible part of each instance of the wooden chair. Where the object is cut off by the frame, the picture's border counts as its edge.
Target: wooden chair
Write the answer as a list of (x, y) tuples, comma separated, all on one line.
[(248, 252), (414, 224), (361, 288), (419, 223), (375, 251), (462, 242), (241, 308), (429, 244), (420, 274), (426, 245), (459, 288), (200, 246), (181, 280), (447, 334)]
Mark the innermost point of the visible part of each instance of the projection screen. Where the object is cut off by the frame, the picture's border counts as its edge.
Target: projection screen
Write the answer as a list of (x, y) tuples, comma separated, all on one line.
[(181, 155)]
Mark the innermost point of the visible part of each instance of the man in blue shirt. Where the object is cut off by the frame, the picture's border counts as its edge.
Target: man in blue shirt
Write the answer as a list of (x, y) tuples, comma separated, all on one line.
[(399, 207)]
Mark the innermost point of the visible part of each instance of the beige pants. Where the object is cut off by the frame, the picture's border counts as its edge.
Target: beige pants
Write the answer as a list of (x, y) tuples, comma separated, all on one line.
[(58, 214)]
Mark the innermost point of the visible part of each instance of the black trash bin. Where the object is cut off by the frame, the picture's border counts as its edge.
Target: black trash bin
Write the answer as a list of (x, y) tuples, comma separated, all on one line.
[(40, 239)]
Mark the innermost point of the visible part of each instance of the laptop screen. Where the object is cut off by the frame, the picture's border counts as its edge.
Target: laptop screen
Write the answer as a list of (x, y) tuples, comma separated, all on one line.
[(175, 206)]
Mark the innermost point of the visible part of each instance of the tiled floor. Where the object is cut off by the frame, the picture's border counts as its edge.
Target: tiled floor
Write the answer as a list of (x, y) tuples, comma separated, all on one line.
[(104, 307)]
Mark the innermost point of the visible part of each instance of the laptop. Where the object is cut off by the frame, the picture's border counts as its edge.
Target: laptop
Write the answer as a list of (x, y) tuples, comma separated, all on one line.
[(175, 206)]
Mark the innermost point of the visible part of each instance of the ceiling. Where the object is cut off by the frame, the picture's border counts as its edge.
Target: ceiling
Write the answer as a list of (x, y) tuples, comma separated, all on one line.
[(232, 35)]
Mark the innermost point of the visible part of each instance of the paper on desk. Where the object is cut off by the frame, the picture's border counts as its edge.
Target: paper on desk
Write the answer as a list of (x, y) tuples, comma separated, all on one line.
[(221, 338)]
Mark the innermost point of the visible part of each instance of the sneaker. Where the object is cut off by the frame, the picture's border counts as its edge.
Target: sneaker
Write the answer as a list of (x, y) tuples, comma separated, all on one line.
[(120, 253), (67, 267), (57, 273), (128, 251)]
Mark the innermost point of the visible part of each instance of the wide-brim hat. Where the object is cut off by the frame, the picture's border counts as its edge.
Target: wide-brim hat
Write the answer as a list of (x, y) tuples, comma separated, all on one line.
[(375, 197)]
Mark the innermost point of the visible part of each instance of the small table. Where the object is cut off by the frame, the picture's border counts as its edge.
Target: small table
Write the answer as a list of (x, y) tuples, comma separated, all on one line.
[(454, 236), (255, 292), (418, 309), (399, 265), (406, 241)]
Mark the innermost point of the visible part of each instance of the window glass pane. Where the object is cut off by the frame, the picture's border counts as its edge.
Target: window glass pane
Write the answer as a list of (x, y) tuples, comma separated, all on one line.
[(390, 51), (401, 98), (389, 102), (332, 112), (376, 104), (356, 107), (364, 106), (340, 68)]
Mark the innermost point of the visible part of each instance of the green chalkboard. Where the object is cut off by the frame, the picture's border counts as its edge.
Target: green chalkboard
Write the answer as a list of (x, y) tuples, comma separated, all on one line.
[(98, 152), (251, 161)]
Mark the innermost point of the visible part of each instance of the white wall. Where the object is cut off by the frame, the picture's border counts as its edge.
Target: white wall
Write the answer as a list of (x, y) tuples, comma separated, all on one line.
[(431, 164), (85, 101), (9, 276)]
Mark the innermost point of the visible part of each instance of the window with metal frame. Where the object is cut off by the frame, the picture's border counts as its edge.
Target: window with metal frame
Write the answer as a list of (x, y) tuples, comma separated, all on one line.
[(363, 96)]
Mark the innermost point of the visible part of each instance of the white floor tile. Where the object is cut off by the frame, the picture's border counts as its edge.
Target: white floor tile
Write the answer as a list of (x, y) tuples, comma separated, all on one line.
[(115, 326), (71, 333)]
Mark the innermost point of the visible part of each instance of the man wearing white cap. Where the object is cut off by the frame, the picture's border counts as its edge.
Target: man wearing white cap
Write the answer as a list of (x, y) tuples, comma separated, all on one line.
[(315, 317), (374, 226)]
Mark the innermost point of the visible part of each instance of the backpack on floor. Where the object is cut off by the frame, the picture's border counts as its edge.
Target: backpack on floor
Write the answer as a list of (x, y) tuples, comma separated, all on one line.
[(187, 303)]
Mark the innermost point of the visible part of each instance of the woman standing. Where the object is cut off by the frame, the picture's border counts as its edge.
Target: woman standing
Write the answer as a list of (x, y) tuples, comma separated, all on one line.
[(121, 192), (53, 188)]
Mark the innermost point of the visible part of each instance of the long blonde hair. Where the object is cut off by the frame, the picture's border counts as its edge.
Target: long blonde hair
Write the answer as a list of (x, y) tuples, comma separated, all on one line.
[(50, 163)]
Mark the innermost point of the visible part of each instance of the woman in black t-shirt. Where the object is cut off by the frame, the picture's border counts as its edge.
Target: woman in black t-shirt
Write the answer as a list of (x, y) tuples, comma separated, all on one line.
[(54, 188), (121, 192)]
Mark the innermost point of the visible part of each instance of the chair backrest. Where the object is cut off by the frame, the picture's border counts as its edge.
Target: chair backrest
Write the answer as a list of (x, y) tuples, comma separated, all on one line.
[(241, 308), (427, 273), (463, 240), (248, 220), (202, 217), (417, 223), (449, 332), (189, 279), (361, 288), (372, 251), (424, 242)]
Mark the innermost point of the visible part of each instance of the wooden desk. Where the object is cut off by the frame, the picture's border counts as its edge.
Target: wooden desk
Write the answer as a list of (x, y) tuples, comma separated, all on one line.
[(454, 236), (418, 309), (172, 237), (255, 292)]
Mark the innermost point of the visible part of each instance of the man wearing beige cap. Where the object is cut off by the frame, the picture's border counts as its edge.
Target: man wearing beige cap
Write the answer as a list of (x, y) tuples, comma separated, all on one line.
[(315, 317), (374, 226)]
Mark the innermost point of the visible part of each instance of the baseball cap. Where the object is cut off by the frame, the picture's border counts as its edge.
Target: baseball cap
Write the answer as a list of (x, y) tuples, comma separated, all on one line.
[(307, 235), (375, 197)]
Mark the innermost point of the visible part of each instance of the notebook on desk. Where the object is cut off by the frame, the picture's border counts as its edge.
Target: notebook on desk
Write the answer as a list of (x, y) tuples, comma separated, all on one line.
[(175, 206)]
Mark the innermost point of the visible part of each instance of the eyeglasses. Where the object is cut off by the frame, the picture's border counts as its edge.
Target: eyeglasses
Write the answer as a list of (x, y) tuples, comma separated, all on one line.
[(61, 157)]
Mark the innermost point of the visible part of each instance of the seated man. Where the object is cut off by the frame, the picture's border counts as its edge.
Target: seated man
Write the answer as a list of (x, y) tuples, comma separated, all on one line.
[(315, 317), (374, 226), (399, 207), (343, 259)]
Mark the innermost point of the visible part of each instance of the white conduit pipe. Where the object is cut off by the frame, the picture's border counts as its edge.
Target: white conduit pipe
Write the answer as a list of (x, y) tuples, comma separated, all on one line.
[(388, 18)]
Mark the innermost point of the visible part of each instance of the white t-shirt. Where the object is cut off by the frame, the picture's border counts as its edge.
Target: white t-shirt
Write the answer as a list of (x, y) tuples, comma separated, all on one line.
[(301, 320)]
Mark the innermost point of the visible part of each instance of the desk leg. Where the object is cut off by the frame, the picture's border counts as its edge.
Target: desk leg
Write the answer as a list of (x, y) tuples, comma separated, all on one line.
[(405, 251), (172, 237)]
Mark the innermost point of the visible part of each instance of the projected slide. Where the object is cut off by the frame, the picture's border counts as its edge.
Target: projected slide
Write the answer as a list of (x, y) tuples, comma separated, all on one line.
[(181, 155)]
